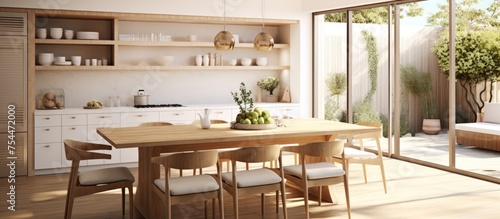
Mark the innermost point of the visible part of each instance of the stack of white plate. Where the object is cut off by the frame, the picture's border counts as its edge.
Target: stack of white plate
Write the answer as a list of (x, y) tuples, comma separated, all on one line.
[(87, 35)]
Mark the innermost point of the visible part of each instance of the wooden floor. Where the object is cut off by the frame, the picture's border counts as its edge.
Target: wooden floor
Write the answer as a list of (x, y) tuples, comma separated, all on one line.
[(413, 192)]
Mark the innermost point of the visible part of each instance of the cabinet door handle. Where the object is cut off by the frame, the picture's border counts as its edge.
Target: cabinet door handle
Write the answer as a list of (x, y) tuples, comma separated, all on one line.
[(219, 112), (103, 117), (46, 146), (73, 128), (73, 117), (139, 115), (177, 114), (47, 130), (47, 118)]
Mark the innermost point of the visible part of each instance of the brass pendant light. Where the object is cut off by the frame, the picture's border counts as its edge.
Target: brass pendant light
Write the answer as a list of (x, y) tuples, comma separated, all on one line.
[(263, 41), (224, 40)]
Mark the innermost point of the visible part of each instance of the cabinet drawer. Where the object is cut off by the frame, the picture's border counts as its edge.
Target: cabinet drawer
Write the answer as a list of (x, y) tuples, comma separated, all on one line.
[(44, 121), (76, 119), (92, 134), (138, 118), (172, 116), (77, 133), (103, 119), (48, 155), (47, 134)]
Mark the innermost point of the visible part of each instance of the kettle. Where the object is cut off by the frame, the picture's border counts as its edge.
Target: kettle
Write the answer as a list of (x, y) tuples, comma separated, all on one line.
[(141, 98), (205, 121)]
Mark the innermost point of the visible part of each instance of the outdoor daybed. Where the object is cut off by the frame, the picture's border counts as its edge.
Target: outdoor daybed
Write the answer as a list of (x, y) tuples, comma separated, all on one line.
[(484, 134)]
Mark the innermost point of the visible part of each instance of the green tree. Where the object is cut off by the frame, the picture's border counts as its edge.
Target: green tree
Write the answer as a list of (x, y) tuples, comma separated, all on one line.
[(376, 15), (469, 17), (477, 57)]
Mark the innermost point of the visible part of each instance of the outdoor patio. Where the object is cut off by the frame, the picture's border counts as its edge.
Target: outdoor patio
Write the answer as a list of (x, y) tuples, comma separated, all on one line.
[(434, 148)]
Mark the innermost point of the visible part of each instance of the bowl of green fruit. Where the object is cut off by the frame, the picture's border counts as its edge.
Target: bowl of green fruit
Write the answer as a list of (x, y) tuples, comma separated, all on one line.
[(250, 118)]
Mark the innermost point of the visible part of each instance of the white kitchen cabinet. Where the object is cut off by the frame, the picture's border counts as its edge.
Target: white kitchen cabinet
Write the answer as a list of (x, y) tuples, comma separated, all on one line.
[(48, 144), (178, 116), (136, 118)]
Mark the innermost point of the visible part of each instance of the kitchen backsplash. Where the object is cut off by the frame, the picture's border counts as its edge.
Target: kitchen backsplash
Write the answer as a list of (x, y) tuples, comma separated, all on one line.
[(184, 87)]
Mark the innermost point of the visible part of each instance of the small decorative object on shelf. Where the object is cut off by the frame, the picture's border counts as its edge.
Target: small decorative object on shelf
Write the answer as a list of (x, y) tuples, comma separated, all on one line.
[(269, 84), (50, 99), (250, 118)]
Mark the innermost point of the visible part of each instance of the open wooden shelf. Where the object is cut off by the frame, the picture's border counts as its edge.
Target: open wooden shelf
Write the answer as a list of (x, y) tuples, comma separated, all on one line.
[(158, 68)]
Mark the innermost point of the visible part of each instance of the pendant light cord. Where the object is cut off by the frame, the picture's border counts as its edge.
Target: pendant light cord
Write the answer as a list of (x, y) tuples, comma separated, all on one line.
[(224, 13), (262, 10)]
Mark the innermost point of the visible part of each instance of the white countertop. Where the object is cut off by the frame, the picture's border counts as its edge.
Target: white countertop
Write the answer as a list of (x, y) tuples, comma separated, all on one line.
[(161, 109)]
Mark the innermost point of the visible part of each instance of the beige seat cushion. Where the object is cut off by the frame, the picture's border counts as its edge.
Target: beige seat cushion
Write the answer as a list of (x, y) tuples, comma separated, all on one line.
[(189, 184), (249, 178), (105, 176), (350, 153), (315, 170)]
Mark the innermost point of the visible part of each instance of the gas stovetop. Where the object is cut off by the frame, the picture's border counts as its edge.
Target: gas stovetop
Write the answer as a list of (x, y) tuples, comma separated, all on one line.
[(158, 105)]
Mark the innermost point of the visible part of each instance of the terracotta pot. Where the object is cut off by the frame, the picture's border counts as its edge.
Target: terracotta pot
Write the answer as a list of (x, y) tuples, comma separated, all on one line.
[(431, 126)]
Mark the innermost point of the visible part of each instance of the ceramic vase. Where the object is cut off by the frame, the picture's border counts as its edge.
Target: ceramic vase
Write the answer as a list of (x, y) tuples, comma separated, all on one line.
[(206, 60), (198, 60)]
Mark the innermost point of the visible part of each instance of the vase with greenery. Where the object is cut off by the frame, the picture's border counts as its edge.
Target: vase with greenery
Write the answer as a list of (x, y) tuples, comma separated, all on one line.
[(269, 84)]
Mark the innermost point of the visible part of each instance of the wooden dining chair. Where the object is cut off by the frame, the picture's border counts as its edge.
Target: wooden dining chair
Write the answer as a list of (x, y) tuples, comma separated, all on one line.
[(318, 174), (261, 180), (360, 156), (214, 121), (95, 181), (187, 189)]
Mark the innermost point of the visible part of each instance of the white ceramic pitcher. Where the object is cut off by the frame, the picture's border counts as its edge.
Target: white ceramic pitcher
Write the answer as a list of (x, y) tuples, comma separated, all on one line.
[(205, 120)]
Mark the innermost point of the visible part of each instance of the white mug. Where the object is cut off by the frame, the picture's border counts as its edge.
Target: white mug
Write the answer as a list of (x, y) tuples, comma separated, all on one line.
[(76, 60), (94, 62)]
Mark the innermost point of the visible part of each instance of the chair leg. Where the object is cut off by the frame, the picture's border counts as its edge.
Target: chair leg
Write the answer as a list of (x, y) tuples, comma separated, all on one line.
[(320, 195), (262, 203), (306, 202), (235, 206), (123, 202), (131, 200), (277, 202), (213, 208), (206, 206), (364, 172), (69, 205), (382, 171), (283, 200), (346, 189)]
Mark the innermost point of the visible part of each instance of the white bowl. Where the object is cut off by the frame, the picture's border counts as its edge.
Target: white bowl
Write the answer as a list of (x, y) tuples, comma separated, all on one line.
[(56, 34), (246, 61), (261, 61), (46, 59), (164, 60), (68, 34)]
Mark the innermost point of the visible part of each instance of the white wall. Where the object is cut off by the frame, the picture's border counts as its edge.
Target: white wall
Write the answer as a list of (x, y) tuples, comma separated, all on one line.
[(278, 9)]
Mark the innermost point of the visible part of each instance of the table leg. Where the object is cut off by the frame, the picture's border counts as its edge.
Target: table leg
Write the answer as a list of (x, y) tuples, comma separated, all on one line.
[(147, 172)]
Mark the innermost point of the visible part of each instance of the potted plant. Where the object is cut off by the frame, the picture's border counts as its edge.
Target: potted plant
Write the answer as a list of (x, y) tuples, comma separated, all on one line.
[(269, 84), (420, 84)]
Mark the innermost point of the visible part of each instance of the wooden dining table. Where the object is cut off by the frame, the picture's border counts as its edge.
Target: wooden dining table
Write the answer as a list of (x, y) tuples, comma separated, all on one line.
[(151, 141)]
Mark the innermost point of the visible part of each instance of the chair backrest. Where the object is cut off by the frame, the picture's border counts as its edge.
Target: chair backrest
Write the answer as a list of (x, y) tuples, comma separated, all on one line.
[(324, 149), (76, 150), (371, 134), (189, 160), (145, 124), (257, 154)]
